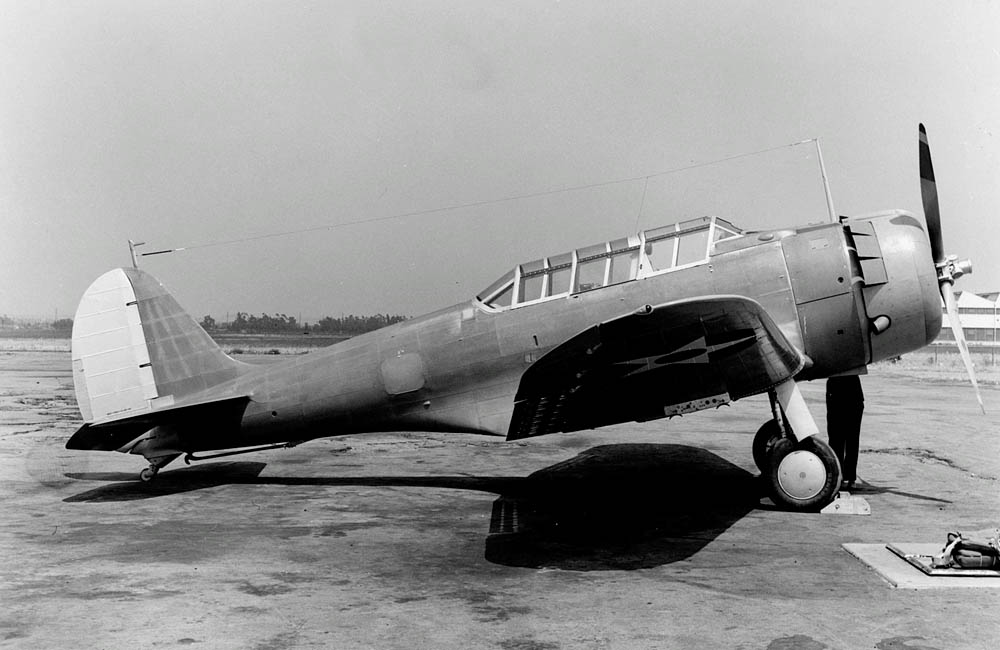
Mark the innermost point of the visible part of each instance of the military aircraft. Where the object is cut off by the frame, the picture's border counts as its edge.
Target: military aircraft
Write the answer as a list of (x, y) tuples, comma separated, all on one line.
[(664, 322)]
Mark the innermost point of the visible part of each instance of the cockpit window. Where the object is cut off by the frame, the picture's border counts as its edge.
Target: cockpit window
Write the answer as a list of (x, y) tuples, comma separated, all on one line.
[(693, 247), (591, 267), (678, 245), (500, 293), (725, 230), (531, 281), (560, 271), (621, 260)]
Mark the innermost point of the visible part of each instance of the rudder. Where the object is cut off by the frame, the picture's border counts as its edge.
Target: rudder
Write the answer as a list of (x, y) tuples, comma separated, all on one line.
[(135, 350)]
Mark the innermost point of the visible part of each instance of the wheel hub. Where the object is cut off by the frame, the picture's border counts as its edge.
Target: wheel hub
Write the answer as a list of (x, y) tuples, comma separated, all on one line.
[(801, 474)]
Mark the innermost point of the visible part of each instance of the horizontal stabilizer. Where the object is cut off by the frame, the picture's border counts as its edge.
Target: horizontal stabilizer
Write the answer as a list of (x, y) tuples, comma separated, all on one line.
[(220, 417)]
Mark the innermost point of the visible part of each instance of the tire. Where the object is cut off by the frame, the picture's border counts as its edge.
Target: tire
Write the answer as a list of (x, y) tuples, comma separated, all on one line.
[(803, 476), (766, 436)]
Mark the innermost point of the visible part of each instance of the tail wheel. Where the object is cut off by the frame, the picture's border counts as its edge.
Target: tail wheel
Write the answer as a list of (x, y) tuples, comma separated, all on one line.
[(804, 475), (768, 434)]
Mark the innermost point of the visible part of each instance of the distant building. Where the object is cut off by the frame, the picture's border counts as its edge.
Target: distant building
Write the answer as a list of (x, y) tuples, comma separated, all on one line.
[(980, 316)]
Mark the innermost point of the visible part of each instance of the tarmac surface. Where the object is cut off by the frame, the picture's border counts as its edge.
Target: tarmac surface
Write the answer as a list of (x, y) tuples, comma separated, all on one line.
[(636, 536)]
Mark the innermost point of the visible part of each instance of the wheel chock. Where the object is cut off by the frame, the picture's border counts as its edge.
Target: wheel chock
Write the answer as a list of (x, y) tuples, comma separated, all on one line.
[(847, 504)]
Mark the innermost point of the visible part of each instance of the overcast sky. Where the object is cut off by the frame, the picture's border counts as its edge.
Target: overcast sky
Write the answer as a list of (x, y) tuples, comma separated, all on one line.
[(189, 123)]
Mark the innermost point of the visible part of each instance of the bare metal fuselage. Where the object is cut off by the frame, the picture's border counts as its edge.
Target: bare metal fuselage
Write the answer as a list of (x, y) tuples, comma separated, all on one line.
[(458, 369)]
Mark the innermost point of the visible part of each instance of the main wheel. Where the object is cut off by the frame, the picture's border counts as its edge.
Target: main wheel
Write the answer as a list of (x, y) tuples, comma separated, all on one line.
[(803, 476), (147, 474), (768, 434)]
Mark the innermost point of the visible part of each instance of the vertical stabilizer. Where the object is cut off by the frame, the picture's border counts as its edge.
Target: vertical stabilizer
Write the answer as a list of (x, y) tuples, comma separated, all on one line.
[(135, 350)]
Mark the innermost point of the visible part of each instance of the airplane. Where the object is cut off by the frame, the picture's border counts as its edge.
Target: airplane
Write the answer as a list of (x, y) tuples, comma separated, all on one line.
[(664, 322)]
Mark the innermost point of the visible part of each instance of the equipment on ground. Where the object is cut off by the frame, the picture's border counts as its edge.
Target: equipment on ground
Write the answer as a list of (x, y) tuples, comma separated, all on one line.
[(963, 553)]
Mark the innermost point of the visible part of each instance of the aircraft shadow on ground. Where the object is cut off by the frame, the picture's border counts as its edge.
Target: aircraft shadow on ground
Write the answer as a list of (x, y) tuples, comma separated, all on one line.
[(626, 506), (619, 506)]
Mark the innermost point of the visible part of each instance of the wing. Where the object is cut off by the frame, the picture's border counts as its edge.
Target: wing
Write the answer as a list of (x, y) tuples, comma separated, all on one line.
[(674, 358)]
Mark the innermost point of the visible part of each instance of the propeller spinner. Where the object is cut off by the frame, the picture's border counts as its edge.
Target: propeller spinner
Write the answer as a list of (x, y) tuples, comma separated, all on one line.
[(949, 268)]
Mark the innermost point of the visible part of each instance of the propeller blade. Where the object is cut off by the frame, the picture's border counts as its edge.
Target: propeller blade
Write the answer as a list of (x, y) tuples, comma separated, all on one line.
[(948, 291), (928, 192)]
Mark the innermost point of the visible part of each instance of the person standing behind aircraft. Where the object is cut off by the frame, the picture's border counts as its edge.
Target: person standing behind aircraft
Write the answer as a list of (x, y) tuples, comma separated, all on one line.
[(845, 404)]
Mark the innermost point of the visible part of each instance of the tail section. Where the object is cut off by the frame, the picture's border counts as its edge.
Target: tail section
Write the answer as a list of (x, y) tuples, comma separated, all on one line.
[(135, 351)]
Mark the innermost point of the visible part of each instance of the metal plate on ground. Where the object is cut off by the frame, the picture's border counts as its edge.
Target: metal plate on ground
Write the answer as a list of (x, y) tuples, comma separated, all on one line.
[(899, 573)]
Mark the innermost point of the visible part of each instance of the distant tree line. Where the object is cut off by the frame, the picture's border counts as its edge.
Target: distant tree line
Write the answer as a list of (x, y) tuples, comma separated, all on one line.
[(352, 324), (282, 324), (10, 322)]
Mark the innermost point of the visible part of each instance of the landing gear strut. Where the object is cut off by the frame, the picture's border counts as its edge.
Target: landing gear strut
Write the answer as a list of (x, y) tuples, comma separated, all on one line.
[(801, 474), (767, 435), (149, 473)]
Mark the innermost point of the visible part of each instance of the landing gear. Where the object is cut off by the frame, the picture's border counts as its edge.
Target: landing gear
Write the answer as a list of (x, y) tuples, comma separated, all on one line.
[(801, 471), (155, 463), (804, 475), (767, 435)]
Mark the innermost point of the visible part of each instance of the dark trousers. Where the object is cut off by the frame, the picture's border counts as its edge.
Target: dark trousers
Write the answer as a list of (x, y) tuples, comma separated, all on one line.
[(843, 426)]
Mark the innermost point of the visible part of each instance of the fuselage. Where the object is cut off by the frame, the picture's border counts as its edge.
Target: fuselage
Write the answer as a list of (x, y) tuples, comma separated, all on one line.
[(845, 294)]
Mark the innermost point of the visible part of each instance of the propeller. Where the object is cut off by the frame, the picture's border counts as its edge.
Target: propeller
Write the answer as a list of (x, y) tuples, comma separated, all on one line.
[(948, 267)]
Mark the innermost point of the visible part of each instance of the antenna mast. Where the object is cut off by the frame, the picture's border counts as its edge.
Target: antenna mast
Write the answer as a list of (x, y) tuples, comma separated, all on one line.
[(132, 245), (826, 183)]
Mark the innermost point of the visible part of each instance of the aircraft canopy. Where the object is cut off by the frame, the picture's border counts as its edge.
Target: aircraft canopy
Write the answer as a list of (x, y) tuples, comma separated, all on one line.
[(651, 252)]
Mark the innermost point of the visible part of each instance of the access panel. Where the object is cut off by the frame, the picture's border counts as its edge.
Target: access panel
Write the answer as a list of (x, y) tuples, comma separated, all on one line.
[(817, 263)]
